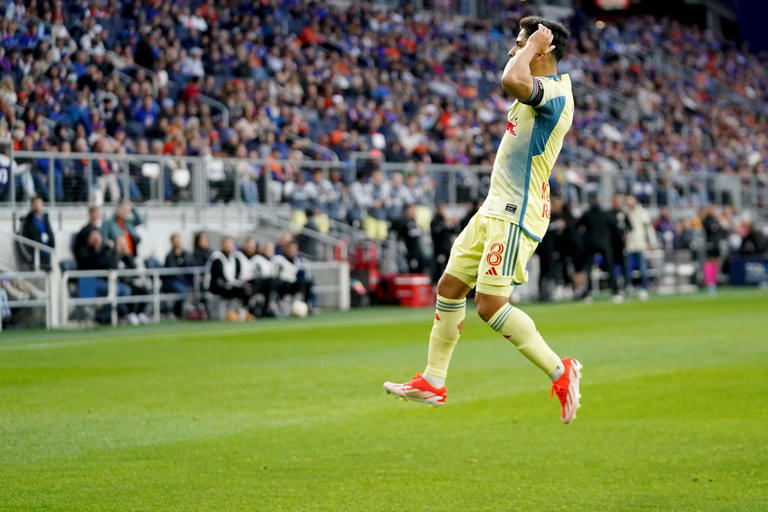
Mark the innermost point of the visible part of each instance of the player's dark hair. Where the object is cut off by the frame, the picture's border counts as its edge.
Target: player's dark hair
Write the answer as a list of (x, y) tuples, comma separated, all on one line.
[(561, 36)]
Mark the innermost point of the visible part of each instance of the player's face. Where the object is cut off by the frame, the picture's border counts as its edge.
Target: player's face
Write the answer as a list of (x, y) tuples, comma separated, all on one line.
[(522, 38)]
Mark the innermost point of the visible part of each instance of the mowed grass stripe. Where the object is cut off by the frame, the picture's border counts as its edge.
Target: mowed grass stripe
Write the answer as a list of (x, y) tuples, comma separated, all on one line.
[(291, 416)]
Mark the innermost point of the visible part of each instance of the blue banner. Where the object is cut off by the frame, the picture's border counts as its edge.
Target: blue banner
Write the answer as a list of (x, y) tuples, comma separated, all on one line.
[(748, 270)]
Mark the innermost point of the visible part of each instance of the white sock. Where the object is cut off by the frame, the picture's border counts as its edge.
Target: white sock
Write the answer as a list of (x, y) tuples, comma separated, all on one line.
[(438, 382), (557, 372), (518, 328), (446, 330)]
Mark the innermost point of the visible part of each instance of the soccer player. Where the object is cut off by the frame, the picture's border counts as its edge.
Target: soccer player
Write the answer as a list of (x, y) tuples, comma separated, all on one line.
[(492, 251)]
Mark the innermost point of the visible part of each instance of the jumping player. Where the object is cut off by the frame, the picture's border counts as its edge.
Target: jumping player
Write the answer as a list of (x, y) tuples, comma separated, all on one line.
[(491, 253)]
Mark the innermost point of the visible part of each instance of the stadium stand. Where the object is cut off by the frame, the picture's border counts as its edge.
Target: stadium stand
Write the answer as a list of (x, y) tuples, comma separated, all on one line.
[(342, 115)]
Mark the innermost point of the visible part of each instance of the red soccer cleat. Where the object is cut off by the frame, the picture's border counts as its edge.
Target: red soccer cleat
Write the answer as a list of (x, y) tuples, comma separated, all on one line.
[(567, 389), (418, 390)]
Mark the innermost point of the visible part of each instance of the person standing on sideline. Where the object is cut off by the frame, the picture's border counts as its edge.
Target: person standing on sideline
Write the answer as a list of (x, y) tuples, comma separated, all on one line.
[(621, 226), (442, 230), (178, 257), (714, 234), (640, 239), (597, 229)]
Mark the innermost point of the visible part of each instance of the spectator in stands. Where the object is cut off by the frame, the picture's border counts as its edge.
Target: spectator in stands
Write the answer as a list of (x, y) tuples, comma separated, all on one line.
[(126, 260), (258, 272), (418, 193), (343, 204), (19, 289), (361, 193), (684, 235), (291, 276), (597, 229), (753, 242), (298, 194), (307, 237), (410, 233), (201, 252), (123, 225), (249, 176), (381, 194), (399, 196), (37, 227), (225, 269), (640, 239), (96, 255), (285, 89), (262, 260), (443, 231), (99, 256), (665, 228), (177, 257), (20, 173), (321, 192), (81, 239)]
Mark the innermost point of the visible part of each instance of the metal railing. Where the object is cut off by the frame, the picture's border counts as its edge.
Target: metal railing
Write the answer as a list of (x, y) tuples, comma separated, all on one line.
[(113, 299), (45, 302), (33, 246), (202, 98), (331, 287), (202, 181)]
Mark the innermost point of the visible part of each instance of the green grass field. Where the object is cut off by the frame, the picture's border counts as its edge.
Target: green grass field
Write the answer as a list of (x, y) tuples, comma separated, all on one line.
[(290, 415)]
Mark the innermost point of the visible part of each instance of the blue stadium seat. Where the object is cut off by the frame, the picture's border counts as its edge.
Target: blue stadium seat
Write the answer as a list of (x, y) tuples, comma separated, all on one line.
[(152, 262), (86, 287), (66, 265)]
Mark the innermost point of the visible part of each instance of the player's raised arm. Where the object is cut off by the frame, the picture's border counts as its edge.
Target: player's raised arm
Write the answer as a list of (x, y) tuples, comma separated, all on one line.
[(517, 79)]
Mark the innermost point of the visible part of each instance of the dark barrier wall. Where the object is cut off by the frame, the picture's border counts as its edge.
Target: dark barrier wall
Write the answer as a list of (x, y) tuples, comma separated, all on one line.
[(748, 271)]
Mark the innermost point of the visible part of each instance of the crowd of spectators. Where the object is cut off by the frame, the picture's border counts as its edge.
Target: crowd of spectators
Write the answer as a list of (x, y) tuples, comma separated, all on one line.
[(621, 238), (301, 78), (262, 278), (265, 277), (698, 103), (309, 80)]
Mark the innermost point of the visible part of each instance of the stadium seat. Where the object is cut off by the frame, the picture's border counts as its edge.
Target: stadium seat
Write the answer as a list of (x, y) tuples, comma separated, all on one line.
[(152, 262), (375, 228), (86, 287), (67, 265)]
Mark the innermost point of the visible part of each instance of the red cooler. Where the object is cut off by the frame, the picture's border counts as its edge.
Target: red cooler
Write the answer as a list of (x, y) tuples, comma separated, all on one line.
[(413, 290)]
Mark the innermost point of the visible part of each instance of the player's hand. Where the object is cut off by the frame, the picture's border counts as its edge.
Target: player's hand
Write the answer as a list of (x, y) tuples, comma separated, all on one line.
[(541, 40)]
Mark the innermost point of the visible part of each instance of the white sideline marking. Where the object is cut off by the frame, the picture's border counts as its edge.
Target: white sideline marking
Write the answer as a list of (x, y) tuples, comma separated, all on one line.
[(165, 335)]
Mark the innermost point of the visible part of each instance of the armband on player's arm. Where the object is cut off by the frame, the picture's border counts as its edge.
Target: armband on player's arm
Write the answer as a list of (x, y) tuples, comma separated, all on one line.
[(536, 94)]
